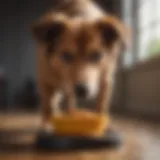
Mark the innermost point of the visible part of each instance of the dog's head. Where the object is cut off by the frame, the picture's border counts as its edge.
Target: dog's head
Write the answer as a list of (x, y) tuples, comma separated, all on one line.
[(82, 52)]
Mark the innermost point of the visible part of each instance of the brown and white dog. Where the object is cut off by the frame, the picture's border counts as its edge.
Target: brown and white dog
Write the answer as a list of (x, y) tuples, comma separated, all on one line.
[(78, 46)]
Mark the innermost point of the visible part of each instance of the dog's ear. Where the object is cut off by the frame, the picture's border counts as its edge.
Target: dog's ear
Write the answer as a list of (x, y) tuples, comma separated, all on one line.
[(48, 30), (113, 30)]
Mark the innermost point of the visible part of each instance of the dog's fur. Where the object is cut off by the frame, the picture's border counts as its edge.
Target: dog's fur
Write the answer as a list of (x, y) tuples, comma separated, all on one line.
[(77, 43)]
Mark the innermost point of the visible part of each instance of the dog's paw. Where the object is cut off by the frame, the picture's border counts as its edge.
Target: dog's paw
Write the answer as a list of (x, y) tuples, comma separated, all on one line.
[(47, 128)]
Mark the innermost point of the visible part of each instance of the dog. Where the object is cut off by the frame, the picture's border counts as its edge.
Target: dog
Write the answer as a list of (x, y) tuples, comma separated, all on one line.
[(78, 45)]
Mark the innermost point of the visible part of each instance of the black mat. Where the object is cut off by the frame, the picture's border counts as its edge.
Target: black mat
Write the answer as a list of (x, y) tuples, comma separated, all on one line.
[(50, 142), (54, 143)]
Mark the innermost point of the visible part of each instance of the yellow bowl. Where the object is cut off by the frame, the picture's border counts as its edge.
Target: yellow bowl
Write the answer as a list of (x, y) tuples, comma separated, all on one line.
[(80, 123)]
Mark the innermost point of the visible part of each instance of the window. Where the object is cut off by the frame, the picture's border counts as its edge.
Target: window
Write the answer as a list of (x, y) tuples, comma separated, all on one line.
[(147, 35), (148, 29)]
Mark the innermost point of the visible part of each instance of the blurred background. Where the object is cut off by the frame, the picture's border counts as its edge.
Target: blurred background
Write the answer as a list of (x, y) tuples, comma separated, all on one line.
[(137, 88)]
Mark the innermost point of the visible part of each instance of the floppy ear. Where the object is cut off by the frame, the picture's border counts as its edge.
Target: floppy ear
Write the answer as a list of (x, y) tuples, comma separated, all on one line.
[(48, 30), (113, 30)]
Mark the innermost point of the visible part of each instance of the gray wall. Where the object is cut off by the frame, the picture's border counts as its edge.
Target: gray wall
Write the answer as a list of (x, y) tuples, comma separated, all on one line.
[(17, 55)]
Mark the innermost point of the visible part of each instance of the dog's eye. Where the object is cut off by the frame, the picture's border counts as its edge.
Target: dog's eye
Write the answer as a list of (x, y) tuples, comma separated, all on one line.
[(95, 57), (67, 57)]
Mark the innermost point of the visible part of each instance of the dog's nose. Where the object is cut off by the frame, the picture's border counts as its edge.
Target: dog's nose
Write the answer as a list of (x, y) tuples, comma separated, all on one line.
[(81, 90)]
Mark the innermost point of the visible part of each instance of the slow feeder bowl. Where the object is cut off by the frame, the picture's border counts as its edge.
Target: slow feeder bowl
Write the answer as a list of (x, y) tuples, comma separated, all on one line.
[(79, 130), (80, 123)]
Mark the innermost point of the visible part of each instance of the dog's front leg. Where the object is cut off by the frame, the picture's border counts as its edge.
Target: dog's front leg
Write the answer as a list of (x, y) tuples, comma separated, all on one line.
[(45, 99), (104, 97), (50, 99), (55, 102), (71, 102)]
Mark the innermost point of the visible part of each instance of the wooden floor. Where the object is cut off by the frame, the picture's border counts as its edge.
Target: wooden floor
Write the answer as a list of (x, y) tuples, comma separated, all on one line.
[(141, 141)]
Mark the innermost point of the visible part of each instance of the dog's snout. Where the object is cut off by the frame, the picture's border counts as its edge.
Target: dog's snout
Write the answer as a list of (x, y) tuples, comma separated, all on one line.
[(81, 90)]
